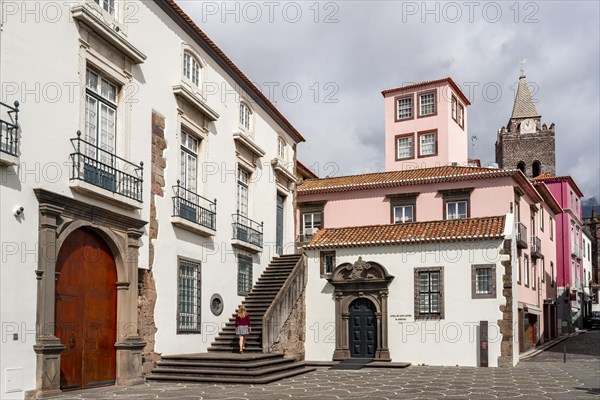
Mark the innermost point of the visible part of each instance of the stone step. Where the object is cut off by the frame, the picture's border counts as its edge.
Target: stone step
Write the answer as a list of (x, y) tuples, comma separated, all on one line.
[(233, 380), (229, 365)]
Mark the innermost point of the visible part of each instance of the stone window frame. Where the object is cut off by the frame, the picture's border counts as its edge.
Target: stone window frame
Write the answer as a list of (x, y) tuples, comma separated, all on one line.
[(474, 294), (451, 196), (323, 269), (541, 222), (520, 274), (435, 103), (418, 314), (396, 147), (552, 282), (420, 134), (543, 270), (250, 116), (198, 264), (403, 199), (397, 108)]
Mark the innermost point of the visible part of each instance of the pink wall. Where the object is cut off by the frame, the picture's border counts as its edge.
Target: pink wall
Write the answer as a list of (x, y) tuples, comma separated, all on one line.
[(452, 143)]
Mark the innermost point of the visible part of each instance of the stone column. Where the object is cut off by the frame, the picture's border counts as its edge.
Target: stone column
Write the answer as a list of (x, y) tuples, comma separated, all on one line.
[(47, 346), (129, 344), (384, 351), (341, 323)]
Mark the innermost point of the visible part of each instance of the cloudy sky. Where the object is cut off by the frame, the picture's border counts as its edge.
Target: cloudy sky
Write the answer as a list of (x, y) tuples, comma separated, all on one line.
[(324, 64)]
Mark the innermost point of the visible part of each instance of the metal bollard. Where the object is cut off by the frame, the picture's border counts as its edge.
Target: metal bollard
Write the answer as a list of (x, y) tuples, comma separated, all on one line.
[(565, 354)]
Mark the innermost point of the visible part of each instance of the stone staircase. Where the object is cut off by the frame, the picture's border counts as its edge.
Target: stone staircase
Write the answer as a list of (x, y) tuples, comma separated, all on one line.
[(223, 363)]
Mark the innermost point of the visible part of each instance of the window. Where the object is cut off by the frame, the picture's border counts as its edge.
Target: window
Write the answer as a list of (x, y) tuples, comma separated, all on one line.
[(281, 148), (404, 107), (552, 273), (428, 293), (242, 192), (191, 68), (543, 270), (327, 263), (405, 147), (542, 219), (100, 118), (526, 268), (188, 295), (519, 278), (189, 162), (457, 209), (245, 115), (427, 144), (461, 116), (454, 108), (244, 275), (521, 166), (551, 223), (403, 214), (427, 104), (483, 281), (536, 168), (311, 223), (107, 5), (533, 274)]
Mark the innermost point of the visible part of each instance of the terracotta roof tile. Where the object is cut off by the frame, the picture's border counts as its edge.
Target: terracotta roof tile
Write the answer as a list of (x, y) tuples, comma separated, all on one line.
[(415, 232), (399, 178), (410, 86)]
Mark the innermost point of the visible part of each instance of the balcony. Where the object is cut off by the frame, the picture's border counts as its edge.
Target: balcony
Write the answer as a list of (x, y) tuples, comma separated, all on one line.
[(521, 236), (193, 212), (98, 173), (247, 234), (536, 247), (9, 134), (576, 251)]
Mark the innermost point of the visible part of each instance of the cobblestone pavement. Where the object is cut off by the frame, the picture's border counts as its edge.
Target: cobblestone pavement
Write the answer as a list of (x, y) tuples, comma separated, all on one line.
[(542, 377)]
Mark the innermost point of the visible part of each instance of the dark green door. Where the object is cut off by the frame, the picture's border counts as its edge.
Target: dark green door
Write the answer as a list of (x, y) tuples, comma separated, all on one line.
[(363, 329), (279, 227)]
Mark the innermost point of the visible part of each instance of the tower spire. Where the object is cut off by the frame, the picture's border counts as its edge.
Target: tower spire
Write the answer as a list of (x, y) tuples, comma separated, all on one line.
[(524, 106)]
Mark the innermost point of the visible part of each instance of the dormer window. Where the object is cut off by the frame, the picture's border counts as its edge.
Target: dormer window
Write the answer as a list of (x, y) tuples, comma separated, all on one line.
[(191, 68), (107, 5), (245, 115)]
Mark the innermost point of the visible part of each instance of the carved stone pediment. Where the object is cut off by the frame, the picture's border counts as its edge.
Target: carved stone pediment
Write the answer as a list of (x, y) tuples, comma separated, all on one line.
[(359, 271)]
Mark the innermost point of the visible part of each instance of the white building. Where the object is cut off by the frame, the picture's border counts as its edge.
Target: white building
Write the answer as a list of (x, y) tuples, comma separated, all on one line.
[(587, 273), (168, 124), (429, 293)]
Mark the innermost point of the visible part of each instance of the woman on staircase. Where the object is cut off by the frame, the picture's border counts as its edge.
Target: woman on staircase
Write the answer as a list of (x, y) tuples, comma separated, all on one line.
[(242, 326)]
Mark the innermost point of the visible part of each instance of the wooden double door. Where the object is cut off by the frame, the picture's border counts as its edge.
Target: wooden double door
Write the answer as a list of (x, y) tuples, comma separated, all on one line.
[(86, 309), (363, 328)]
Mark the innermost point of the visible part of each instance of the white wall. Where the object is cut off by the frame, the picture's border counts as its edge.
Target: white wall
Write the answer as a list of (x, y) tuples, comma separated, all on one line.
[(41, 64), (450, 341)]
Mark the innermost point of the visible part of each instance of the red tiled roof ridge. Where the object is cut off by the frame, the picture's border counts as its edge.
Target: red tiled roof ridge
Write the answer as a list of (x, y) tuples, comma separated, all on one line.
[(541, 178), (430, 82), (459, 171), (231, 64), (480, 228)]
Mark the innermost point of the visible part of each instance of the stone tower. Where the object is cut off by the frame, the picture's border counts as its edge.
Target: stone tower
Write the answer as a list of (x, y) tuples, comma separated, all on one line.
[(526, 143)]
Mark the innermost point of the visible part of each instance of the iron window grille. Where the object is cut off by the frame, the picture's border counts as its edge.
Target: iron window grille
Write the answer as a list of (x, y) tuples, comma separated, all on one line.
[(106, 170), (188, 304), (483, 278), (428, 293), (194, 208), (244, 275), (247, 230), (9, 129)]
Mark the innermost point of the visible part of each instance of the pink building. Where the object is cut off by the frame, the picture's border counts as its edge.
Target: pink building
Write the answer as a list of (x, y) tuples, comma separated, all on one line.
[(425, 125), (427, 180), (569, 276)]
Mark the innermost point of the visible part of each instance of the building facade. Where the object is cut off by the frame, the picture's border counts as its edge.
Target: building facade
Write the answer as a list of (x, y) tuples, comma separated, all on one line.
[(141, 203)]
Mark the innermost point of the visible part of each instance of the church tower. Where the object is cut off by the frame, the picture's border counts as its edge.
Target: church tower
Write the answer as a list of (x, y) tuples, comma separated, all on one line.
[(526, 143)]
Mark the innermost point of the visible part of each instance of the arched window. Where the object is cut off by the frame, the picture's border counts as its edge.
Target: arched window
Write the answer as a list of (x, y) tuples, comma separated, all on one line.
[(191, 68), (281, 148), (536, 168), (245, 115), (521, 166)]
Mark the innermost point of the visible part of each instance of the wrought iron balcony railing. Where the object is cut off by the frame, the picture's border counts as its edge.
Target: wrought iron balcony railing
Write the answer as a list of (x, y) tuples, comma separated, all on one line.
[(247, 230), (9, 130), (536, 247), (521, 236), (193, 207), (105, 170)]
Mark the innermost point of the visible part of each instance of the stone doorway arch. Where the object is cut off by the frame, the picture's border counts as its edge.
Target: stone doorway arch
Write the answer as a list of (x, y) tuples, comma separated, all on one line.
[(368, 280)]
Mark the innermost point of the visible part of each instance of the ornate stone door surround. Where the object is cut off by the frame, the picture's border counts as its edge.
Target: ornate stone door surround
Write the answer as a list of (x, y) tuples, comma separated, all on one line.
[(58, 217), (362, 279)]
